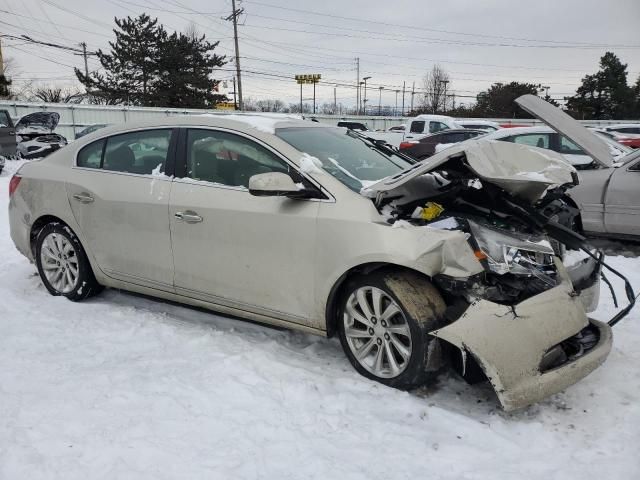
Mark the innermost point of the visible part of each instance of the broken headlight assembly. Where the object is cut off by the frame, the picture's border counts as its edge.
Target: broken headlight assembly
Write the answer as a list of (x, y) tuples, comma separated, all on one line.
[(515, 253)]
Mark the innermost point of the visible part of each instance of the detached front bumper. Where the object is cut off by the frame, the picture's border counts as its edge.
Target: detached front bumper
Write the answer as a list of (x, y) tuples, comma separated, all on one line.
[(518, 346)]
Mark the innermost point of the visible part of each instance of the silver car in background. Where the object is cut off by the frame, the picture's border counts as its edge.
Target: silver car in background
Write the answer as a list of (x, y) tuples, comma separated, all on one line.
[(295, 224)]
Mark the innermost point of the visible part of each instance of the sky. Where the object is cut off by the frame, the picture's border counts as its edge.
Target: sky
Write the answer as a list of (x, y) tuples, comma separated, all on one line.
[(554, 43)]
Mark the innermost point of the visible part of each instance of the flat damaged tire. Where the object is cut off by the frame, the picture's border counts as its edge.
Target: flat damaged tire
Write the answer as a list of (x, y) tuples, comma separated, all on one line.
[(383, 322), (63, 265)]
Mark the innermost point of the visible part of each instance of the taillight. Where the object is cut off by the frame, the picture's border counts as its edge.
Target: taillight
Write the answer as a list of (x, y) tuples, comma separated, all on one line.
[(404, 145), (13, 184)]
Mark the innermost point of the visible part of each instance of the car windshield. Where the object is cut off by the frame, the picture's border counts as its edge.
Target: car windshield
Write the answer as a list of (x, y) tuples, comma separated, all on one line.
[(344, 154)]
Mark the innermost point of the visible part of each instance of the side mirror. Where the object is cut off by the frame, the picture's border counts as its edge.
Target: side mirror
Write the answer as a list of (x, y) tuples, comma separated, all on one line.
[(276, 184)]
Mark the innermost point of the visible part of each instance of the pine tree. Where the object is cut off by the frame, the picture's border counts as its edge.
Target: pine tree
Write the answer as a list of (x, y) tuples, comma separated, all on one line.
[(5, 83), (184, 72), (605, 94), (498, 100), (149, 67)]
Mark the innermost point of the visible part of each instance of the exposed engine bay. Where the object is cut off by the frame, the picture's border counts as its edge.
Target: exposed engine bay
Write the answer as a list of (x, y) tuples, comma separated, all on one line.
[(518, 239), (35, 135)]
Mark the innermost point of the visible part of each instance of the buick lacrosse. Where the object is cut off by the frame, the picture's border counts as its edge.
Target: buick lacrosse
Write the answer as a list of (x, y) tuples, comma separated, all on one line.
[(451, 262)]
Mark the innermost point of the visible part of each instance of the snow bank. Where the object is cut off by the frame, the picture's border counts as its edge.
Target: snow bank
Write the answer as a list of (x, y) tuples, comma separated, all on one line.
[(122, 386)]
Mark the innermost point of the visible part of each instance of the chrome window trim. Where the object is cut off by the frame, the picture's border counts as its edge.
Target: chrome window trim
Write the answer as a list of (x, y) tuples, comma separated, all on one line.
[(321, 187)]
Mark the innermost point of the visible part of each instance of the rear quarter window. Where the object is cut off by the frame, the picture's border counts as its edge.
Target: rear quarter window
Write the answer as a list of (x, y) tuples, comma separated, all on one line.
[(91, 155)]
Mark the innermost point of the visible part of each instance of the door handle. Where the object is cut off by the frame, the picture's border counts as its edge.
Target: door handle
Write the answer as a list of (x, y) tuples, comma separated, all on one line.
[(188, 217), (83, 197)]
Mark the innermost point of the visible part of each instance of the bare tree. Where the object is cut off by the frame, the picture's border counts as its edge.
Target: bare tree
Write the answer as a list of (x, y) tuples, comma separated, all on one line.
[(436, 85), (57, 94), (270, 106), (191, 31)]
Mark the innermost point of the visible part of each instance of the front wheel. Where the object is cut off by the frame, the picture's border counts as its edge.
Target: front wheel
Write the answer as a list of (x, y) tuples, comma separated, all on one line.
[(384, 320), (63, 265)]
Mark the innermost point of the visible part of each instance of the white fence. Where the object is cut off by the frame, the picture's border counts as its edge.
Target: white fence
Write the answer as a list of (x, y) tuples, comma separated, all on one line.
[(74, 118)]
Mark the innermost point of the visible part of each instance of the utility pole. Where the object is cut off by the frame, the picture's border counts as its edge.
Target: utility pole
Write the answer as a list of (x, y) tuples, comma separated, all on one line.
[(1, 60), (314, 96), (395, 110), (300, 98), (380, 101), (444, 106), (235, 102), (365, 94), (403, 85), (413, 92), (335, 103), (234, 17), (357, 85), (84, 54)]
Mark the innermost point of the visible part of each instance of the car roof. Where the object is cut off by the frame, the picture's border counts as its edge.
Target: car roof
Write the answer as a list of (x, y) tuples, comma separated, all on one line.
[(508, 132), (426, 116), (460, 130), (477, 122), (249, 123)]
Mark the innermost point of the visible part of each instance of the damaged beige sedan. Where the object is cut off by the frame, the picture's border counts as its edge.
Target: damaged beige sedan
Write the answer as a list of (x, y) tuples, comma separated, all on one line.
[(450, 263)]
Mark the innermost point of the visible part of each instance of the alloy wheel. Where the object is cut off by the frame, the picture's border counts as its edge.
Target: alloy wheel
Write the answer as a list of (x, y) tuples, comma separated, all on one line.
[(377, 332), (59, 262)]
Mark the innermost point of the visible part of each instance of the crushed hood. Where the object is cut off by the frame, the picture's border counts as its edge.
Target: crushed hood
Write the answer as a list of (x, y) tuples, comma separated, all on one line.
[(567, 126), (47, 120), (525, 172)]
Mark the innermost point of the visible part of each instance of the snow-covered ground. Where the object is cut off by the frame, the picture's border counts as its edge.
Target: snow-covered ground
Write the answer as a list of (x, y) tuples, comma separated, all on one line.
[(123, 387)]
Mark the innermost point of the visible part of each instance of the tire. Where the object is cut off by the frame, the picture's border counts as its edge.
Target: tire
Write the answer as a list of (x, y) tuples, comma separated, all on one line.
[(63, 265), (401, 338)]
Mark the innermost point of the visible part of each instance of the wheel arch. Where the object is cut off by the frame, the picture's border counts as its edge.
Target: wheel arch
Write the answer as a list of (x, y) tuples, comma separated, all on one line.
[(578, 218), (38, 225), (331, 308)]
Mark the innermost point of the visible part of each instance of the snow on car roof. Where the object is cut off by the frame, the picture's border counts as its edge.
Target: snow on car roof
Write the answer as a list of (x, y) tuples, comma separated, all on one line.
[(266, 123)]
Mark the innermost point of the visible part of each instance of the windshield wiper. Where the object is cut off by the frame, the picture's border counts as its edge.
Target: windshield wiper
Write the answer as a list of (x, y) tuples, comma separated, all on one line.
[(384, 147)]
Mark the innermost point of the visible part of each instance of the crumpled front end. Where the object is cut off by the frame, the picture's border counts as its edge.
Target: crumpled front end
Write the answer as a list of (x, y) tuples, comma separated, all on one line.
[(532, 349)]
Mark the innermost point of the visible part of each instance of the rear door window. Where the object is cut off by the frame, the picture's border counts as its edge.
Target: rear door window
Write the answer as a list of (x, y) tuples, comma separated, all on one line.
[(567, 147), (417, 126), (5, 119), (540, 140), (144, 152), (453, 138), (437, 127)]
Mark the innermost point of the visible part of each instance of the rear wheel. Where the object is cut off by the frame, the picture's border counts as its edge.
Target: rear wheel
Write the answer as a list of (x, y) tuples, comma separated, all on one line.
[(384, 320), (63, 265)]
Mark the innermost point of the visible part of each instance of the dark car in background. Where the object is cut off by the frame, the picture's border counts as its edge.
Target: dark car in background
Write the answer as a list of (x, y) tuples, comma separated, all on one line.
[(425, 147), (353, 126), (8, 141)]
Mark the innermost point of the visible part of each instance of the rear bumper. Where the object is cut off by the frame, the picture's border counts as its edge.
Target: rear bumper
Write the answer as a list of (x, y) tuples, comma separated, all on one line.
[(19, 229)]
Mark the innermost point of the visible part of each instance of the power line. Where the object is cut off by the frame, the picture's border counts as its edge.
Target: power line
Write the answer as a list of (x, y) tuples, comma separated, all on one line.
[(450, 32)]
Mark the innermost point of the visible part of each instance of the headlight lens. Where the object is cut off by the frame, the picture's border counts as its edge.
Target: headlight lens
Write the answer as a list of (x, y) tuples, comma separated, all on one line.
[(512, 252)]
